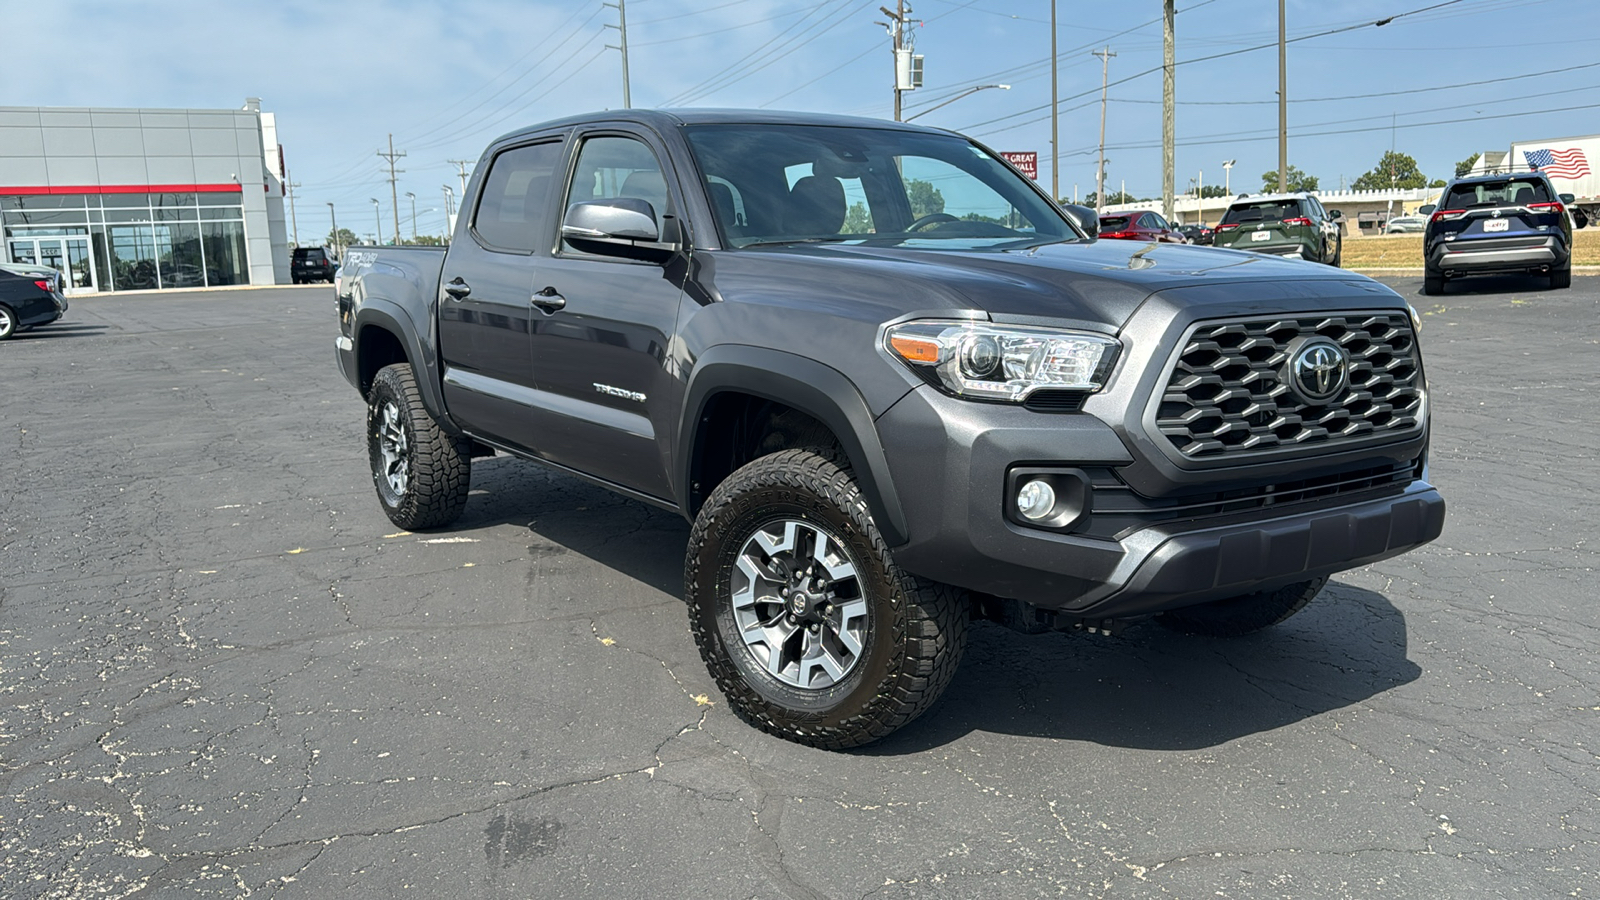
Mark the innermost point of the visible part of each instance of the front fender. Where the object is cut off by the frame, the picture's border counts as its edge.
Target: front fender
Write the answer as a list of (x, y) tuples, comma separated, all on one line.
[(805, 385)]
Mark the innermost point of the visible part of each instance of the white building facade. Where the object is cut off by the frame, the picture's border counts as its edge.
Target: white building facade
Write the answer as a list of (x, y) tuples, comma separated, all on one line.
[(139, 199)]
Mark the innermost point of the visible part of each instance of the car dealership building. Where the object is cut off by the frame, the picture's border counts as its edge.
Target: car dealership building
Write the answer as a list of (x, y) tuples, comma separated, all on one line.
[(138, 199)]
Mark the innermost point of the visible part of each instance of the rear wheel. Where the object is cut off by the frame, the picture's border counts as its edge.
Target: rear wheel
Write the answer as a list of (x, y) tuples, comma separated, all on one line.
[(803, 618), (1432, 282), (1242, 615), (1561, 278), (1338, 253), (421, 473)]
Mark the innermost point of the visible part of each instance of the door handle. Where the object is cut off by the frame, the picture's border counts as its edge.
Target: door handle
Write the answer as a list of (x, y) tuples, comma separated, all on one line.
[(457, 288), (548, 300)]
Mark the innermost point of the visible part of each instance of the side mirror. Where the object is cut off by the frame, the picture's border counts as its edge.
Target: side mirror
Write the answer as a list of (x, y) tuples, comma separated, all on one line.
[(1084, 217), (1426, 209), (1568, 198), (619, 226), (617, 220), (1335, 214)]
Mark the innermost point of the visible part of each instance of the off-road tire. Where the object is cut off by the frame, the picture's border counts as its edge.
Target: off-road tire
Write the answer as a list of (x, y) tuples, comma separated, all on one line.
[(8, 322), (916, 630), (1561, 278), (439, 465), (1246, 614), (1432, 282)]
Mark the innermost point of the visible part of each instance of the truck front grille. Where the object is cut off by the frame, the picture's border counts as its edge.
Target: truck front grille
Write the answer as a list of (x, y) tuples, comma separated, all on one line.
[(1229, 397)]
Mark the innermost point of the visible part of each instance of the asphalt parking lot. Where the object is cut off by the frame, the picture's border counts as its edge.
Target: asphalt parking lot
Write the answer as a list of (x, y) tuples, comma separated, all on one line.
[(226, 674)]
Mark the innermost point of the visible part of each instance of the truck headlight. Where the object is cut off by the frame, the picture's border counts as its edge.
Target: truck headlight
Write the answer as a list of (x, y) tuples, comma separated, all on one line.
[(1002, 362)]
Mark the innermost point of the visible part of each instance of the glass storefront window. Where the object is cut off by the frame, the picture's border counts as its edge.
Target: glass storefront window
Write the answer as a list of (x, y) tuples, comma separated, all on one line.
[(225, 255), (178, 249), (133, 257), (124, 201)]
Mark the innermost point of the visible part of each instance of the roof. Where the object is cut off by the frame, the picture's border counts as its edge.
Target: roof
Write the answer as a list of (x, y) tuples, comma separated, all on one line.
[(662, 119), (1498, 176), (1264, 198)]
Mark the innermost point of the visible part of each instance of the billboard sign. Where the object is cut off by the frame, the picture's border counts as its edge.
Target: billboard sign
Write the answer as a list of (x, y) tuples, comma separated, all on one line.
[(1026, 161)]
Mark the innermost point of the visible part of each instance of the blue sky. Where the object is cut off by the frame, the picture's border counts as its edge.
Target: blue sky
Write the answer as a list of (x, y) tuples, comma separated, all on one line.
[(447, 77)]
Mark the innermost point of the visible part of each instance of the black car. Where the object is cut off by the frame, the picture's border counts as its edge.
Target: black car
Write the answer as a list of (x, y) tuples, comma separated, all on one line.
[(27, 300), (312, 264), (1197, 233), (1494, 224)]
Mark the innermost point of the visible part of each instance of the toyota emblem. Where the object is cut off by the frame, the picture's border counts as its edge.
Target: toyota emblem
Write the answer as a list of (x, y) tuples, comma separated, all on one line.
[(1319, 371)]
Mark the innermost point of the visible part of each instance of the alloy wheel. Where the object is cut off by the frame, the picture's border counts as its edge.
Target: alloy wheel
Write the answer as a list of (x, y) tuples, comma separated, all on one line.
[(797, 604)]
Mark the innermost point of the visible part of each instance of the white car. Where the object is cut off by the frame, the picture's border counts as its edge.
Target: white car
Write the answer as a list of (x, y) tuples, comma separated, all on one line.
[(1406, 225)]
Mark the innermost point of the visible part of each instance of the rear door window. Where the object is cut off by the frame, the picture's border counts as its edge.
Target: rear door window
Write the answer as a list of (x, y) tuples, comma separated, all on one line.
[(515, 196)]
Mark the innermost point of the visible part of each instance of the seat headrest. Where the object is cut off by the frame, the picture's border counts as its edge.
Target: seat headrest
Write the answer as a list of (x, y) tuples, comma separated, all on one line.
[(722, 202), (816, 206)]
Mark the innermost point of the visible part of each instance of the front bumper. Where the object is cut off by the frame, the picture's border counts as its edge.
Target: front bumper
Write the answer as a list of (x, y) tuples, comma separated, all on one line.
[(959, 454)]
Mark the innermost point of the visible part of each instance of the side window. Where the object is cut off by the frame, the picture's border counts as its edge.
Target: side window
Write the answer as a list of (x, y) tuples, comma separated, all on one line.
[(612, 167), (515, 195)]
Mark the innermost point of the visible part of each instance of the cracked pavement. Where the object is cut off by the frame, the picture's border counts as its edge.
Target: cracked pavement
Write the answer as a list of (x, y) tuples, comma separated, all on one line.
[(225, 674)]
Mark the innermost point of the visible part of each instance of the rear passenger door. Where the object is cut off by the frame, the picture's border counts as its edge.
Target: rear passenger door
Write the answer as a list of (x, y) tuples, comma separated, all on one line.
[(485, 299)]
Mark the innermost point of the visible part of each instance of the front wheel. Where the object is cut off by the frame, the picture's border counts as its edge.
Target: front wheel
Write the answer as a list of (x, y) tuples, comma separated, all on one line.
[(422, 474), (805, 621), (1237, 616), (8, 322)]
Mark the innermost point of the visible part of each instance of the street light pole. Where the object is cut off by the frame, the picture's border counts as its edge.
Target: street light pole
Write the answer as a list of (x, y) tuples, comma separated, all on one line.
[(377, 216), (966, 93), (335, 216), (413, 216), (1227, 170)]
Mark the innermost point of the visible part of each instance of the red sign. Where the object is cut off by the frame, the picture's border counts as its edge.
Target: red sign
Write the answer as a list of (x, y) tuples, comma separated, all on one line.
[(1026, 161)]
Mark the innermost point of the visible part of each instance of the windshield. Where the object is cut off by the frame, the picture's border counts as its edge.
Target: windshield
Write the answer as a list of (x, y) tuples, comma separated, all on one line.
[(1511, 192), (803, 183)]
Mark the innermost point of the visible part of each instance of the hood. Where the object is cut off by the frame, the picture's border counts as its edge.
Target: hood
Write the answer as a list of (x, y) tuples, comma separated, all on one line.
[(1097, 283)]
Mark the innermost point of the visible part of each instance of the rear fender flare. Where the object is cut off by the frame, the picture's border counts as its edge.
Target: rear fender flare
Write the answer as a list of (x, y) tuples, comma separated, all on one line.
[(387, 316), (808, 386)]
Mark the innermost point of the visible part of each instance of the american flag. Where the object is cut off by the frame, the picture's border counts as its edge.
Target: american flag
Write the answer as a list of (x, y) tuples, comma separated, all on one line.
[(1558, 163)]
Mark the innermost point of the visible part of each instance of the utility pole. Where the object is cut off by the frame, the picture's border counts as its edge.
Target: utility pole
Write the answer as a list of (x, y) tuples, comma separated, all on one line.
[(902, 51), (413, 216), (621, 6), (294, 220), (1055, 131), (1283, 105), (461, 170), (335, 216), (394, 198), (1168, 125), (1100, 178), (377, 216), (449, 211)]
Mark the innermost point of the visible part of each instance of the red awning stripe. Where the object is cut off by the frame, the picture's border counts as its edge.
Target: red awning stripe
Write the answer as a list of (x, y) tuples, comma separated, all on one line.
[(122, 189)]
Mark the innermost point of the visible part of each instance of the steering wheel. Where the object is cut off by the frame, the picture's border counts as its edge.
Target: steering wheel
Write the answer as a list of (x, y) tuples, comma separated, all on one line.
[(931, 219)]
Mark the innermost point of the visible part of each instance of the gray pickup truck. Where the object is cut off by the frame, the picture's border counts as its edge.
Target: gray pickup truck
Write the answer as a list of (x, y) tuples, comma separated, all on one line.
[(894, 388)]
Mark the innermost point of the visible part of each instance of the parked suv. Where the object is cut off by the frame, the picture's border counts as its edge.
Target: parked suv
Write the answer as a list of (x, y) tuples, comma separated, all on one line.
[(1491, 224), (312, 264), (1292, 225)]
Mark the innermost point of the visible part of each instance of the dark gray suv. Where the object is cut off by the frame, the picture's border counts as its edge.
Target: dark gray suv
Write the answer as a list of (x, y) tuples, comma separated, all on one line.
[(1495, 224)]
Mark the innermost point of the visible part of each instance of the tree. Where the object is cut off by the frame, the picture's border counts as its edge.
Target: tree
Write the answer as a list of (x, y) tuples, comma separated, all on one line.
[(925, 198), (344, 238), (1437, 182), (424, 240), (1394, 170), (1466, 165), (1113, 198), (1217, 190), (857, 220), (1296, 181)]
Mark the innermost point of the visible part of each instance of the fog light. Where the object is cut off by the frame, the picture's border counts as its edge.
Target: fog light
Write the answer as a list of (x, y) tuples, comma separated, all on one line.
[(1036, 500)]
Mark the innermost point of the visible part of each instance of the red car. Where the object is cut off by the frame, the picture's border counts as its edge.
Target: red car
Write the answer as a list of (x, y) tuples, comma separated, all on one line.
[(1139, 225)]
